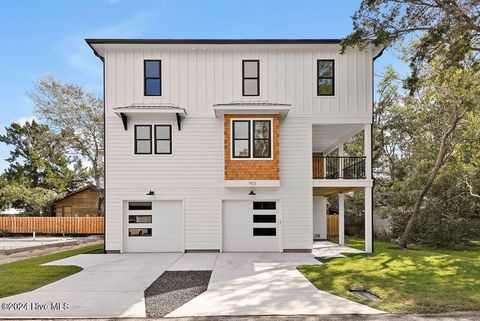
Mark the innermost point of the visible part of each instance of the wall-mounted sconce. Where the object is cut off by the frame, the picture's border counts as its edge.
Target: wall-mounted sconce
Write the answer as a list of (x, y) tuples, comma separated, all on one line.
[(252, 193), (151, 193)]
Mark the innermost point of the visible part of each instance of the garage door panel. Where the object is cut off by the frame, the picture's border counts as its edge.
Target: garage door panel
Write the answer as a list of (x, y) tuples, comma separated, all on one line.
[(239, 227), (166, 226)]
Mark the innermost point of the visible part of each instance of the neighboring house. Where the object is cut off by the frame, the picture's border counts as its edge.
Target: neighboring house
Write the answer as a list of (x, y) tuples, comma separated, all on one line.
[(81, 202), (223, 144), (11, 211)]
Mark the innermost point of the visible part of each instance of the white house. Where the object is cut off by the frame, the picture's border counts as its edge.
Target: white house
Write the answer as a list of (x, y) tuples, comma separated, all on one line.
[(226, 145)]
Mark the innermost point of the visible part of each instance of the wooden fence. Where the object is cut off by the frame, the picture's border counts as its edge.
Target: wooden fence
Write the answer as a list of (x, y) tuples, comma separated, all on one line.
[(332, 225), (52, 225)]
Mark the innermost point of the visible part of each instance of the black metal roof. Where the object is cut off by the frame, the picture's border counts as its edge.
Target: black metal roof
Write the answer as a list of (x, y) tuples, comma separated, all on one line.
[(213, 41)]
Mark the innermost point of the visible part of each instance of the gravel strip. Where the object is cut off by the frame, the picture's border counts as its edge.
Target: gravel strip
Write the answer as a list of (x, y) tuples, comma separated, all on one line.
[(173, 289)]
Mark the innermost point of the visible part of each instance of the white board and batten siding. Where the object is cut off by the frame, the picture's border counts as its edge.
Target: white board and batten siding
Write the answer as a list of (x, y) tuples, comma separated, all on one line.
[(196, 79)]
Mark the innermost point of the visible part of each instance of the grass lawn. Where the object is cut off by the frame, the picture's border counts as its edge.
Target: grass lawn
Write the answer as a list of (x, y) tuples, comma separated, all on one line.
[(27, 275), (408, 281)]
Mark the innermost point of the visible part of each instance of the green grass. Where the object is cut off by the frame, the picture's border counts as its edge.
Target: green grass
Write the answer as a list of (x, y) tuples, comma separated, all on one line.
[(353, 242), (408, 281), (27, 275)]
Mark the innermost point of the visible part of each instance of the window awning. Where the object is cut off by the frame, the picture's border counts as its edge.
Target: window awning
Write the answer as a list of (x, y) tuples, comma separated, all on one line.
[(251, 107), (136, 109)]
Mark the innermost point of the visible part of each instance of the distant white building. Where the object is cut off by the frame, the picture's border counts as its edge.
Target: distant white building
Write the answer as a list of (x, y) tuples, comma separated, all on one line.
[(10, 211)]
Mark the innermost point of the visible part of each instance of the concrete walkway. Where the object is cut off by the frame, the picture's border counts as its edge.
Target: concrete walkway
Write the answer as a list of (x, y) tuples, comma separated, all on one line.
[(265, 284), (112, 285)]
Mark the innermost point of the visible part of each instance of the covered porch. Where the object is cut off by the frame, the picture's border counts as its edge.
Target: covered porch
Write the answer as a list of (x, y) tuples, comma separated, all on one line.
[(341, 164)]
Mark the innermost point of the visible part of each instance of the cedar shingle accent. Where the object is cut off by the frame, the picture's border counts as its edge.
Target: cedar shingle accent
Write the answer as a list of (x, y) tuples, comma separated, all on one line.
[(252, 169)]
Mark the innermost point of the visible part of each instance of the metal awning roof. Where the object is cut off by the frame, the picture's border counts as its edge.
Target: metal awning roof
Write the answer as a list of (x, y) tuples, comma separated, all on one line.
[(252, 107), (162, 108)]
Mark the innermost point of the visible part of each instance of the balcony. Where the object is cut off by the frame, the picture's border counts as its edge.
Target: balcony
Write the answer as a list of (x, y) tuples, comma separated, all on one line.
[(338, 167)]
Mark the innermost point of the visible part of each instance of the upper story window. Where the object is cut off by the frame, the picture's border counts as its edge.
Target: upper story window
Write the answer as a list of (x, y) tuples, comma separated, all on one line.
[(241, 138), (325, 77), (163, 139), (262, 139), (248, 135), (153, 77), (143, 139), (251, 77)]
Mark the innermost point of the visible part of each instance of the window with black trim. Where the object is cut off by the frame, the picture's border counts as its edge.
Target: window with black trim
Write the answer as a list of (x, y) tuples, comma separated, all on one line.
[(139, 206), (325, 77), (139, 232), (139, 219), (152, 77), (264, 205), (241, 138), (262, 218), (262, 139), (143, 139), (264, 231), (250, 77), (163, 139)]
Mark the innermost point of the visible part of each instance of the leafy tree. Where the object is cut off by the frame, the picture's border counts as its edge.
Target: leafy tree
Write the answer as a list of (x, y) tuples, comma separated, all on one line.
[(445, 30), (38, 166), (78, 115)]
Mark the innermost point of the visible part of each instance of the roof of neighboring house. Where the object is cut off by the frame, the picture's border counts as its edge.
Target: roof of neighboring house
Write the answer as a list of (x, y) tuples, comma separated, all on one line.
[(79, 190)]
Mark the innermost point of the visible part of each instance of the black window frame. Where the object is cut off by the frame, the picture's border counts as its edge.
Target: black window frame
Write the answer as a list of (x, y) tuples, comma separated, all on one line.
[(264, 231), (260, 205), (255, 78), (264, 218), (149, 229), (155, 139), (269, 139), (144, 208), (247, 139), (130, 221), (323, 77), (142, 139), (145, 78)]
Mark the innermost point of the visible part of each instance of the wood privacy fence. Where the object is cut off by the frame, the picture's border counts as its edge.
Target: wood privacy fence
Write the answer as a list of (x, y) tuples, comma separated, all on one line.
[(332, 225), (52, 225)]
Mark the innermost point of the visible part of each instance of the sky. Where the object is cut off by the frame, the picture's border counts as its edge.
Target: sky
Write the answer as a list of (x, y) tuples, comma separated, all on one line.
[(47, 36)]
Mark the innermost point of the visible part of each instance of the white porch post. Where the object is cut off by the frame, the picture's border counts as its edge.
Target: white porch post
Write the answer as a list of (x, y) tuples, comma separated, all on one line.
[(341, 153), (341, 219), (368, 190)]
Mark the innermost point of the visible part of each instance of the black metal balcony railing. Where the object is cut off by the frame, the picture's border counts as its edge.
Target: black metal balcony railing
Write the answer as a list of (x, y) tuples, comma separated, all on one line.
[(335, 167)]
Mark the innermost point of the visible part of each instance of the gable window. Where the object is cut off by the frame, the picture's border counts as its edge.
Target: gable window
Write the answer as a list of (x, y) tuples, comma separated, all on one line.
[(163, 139), (143, 139), (252, 139), (250, 77), (153, 77), (241, 138), (261, 139), (325, 77)]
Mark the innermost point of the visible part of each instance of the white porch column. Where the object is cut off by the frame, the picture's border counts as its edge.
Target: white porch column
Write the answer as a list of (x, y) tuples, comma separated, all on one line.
[(341, 219), (367, 149), (368, 220)]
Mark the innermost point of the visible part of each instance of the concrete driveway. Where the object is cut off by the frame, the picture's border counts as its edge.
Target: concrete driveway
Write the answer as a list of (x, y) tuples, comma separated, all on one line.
[(241, 284)]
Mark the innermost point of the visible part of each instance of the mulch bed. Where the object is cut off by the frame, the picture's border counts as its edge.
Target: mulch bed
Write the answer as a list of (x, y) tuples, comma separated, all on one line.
[(173, 289)]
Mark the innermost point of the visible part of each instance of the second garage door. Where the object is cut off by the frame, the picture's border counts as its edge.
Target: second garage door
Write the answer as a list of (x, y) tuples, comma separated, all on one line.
[(251, 226)]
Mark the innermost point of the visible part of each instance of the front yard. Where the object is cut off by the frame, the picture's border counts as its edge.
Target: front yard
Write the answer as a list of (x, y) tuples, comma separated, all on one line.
[(27, 275), (408, 281)]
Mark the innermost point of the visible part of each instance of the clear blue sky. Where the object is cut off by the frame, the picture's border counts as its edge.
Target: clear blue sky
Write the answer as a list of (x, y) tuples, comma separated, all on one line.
[(47, 36)]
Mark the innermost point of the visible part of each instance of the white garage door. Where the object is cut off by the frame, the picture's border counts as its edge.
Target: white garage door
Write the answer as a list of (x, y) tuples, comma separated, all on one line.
[(251, 226), (153, 226)]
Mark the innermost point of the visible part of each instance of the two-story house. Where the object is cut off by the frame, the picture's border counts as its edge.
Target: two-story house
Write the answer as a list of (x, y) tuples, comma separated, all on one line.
[(231, 145)]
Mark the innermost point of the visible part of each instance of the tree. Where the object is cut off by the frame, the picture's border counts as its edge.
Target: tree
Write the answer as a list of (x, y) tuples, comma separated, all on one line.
[(38, 166), (78, 115), (446, 30)]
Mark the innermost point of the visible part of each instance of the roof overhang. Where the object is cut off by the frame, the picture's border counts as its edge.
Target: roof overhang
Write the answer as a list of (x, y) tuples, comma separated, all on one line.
[(252, 107), (150, 109)]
